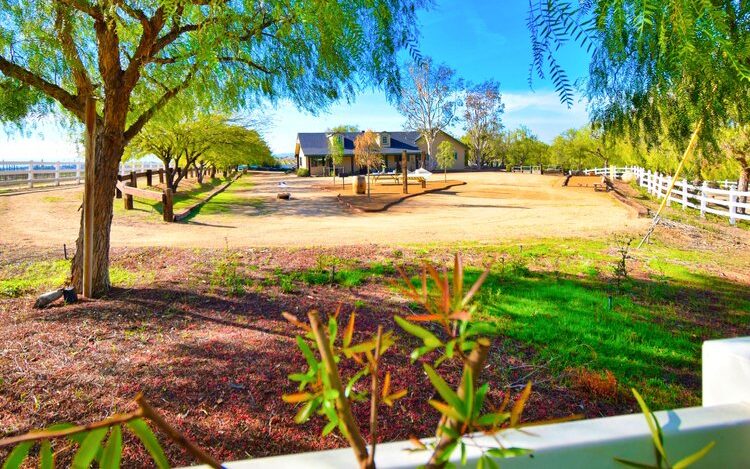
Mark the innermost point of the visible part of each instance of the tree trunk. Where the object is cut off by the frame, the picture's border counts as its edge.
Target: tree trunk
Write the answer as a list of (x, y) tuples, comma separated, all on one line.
[(742, 185), (368, 181), (110, 146)]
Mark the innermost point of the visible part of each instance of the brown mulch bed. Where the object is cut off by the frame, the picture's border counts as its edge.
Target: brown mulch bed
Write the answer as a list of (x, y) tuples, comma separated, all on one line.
[(385, 194), (216, 365)]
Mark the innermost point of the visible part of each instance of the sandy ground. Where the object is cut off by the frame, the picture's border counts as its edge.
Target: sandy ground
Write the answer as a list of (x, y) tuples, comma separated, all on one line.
[(491, 207)]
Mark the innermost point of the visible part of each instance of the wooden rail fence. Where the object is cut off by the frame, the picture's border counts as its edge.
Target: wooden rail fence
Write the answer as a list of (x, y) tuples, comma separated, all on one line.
[(30, 174), (723, 200)]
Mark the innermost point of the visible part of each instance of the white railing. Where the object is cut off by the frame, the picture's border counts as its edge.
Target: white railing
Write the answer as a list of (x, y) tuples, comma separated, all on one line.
[(29, 174), (724, 200), (723, 419)]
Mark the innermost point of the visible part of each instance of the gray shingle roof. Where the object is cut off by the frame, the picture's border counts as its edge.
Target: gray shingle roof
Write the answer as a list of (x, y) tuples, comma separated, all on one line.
[(316, 143)]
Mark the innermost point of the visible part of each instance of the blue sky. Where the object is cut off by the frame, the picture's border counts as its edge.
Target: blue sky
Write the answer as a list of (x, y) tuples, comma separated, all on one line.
[(480, 39)]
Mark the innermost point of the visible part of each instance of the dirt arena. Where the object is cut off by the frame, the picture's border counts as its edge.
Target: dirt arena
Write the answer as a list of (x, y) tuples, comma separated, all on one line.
[(491, 207)]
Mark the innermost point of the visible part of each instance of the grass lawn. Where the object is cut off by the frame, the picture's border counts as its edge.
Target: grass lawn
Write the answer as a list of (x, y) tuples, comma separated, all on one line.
[(188, 193), (200, 333)]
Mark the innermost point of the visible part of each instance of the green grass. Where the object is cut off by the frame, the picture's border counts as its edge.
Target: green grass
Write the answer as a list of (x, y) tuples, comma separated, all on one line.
[(28, 277), (32, 277), (651, 337)]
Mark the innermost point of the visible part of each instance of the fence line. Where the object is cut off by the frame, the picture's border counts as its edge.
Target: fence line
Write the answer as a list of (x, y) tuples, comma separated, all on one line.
[(724, 200), (35, 173)]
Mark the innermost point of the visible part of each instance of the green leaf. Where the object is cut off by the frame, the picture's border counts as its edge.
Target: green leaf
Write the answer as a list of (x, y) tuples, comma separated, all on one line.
[(18, 455), (493, 419), (46, 458), (463, 453), (88, 449), (446, 410), (653, 424), (695, 457), (311, 360), (330, 394), (353, 381), (479, 398), (113, 450), (302, 377), (628, 463), (448, 395), (427, 337), (330, 426), (147, 437), (303, 415), (468, 385), (507, 452), (333, 329)]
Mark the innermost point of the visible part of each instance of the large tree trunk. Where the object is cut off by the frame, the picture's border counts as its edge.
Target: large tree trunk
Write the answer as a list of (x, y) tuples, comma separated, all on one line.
[(109, 149)]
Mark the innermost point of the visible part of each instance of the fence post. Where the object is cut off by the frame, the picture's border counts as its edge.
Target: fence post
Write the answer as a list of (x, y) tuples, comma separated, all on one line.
[(78, 173), (703, 199), (684, 193), (732, 206), (167, 209), (161, 175), (133, 179), (31, 174), (149, 175), (127, 199), (57, 173), (118, 193), (668, 180)]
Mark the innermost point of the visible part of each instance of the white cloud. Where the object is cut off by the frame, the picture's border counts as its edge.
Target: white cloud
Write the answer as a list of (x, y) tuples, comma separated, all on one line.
[(543, 113)]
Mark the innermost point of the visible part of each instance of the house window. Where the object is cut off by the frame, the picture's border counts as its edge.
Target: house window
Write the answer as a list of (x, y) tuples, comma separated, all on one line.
[(455, 155), (385, 140)]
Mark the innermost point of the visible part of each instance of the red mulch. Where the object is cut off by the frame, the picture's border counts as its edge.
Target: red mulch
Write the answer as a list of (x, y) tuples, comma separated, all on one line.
[(216, 365)]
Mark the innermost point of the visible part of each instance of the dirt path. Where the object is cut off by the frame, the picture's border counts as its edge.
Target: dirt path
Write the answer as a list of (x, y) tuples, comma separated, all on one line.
[(490, 207)]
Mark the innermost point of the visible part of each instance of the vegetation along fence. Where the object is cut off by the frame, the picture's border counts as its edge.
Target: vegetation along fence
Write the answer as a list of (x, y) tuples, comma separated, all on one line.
[(716, 197), (29, 174)]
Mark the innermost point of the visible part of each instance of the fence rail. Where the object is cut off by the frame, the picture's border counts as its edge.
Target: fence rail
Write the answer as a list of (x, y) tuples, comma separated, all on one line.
[(723, 200), (29, 174)]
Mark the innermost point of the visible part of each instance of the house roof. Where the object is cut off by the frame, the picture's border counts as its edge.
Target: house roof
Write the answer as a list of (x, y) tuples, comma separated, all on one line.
[(316, 143)]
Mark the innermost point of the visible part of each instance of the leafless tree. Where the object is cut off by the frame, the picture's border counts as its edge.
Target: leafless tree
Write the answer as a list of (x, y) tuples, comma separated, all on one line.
[(430, 100)]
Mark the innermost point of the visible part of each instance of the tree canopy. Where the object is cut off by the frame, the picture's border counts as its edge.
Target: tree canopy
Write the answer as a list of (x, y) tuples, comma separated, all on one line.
[(135, 58), (658, 68)]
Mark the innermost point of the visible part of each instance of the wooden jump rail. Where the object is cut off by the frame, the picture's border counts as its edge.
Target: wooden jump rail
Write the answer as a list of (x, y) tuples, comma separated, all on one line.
[(165, 197)]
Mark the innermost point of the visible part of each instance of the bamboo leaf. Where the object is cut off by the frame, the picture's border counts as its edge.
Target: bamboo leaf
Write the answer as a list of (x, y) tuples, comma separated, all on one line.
[(427, 337), (147, 437), (629, 463), (297, 397), (391, 398), (46, 458), (113, 450), (18, 455), (507, 452), (88, 449), (693, 458), (653, 424), (386, 384), (446, 410), (517, 410), (349, 331), (311, 360), (448, 395)]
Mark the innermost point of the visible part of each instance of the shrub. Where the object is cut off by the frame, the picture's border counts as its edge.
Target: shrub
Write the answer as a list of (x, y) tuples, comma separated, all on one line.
[(303, 172), (601, 385)]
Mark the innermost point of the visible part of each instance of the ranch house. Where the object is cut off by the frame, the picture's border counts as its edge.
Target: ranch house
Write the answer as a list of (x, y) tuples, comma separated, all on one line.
[(312, 151)]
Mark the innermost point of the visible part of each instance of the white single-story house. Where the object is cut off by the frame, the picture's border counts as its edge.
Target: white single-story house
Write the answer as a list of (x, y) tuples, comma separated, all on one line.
[(312, 151)]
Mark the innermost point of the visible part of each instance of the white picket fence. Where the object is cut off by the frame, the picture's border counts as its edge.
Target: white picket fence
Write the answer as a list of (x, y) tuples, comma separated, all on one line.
[(724, 200), (36, 173)]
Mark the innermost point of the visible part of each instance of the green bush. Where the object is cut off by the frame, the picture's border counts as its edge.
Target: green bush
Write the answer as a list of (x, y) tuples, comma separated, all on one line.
[(303, 172)]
